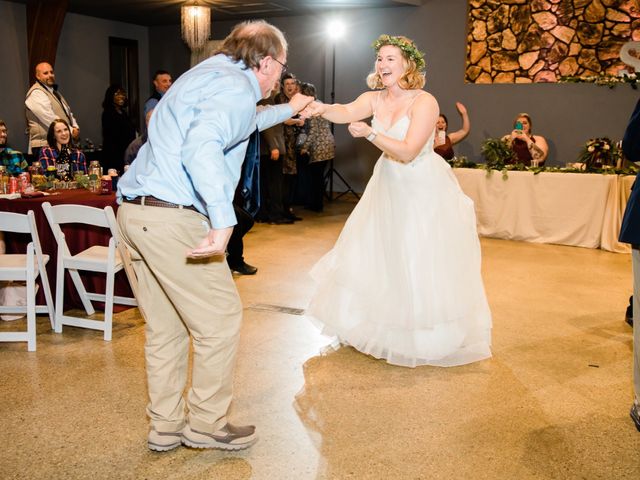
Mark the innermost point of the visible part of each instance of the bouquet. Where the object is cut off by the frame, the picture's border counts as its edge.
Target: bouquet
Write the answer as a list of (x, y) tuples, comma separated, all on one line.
[(497, 153), (599, 153)]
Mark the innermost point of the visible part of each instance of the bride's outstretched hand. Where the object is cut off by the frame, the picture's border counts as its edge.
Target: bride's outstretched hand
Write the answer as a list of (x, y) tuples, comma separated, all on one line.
[(359, 129)]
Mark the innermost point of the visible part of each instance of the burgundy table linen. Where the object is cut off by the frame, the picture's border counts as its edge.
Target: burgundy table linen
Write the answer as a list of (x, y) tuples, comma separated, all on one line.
[(79, 237)]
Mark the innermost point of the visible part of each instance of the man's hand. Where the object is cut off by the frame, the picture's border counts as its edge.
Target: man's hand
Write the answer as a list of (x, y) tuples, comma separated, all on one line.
[(275, 154), (297, 122), (214, 244), (299, 101), (314, 109)]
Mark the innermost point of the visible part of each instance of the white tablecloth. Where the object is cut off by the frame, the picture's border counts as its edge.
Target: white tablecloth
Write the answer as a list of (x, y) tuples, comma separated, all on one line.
[(576, 209)]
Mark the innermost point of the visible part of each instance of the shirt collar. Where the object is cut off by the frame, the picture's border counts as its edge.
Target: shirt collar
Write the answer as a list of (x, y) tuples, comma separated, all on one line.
[(51, 89), (248, 72)]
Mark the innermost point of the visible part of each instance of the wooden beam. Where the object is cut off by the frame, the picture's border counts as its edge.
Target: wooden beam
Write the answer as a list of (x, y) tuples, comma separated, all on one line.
[(44, 24)]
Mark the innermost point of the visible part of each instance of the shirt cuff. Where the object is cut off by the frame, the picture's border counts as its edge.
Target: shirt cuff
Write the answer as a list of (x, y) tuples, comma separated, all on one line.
[(221, 216)]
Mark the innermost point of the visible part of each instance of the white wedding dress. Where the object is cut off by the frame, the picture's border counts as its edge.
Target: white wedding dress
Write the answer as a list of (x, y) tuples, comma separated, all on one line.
[(403, 280)]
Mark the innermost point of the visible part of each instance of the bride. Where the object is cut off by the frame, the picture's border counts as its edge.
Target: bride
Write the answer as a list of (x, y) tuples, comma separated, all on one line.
[(403, 281)]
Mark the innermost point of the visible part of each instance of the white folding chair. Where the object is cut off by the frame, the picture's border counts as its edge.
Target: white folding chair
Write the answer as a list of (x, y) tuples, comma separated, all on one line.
[(109, 260), (26, 268)]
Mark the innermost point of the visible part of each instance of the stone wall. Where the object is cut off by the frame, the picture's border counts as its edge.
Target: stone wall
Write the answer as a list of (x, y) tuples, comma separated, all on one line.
[(524, 41)]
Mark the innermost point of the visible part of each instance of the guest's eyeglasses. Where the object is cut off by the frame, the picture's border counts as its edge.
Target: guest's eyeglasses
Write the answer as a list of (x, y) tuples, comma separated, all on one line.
[(284, 66)]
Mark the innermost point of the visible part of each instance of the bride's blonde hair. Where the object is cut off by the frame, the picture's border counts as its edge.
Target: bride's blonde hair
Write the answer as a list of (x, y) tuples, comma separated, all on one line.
[(413, 60)]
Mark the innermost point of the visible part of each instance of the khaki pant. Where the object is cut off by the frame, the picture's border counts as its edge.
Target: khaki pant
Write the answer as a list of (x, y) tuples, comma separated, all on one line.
[(635, 256), (180, 297)]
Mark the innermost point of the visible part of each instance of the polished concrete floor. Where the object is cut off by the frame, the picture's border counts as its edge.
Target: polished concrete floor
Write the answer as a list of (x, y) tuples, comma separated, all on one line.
[(552, 403)]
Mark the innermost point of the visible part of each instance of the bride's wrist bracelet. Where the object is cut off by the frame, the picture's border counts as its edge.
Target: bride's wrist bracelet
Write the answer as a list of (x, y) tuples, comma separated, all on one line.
[(372, 136)]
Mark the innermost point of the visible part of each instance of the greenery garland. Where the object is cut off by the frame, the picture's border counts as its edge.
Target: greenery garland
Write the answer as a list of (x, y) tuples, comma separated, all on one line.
[(462, 162), (599, 155), (607, 80)]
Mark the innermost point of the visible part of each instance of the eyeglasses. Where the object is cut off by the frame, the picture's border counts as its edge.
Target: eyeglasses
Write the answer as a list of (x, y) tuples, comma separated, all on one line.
[(285, 67)]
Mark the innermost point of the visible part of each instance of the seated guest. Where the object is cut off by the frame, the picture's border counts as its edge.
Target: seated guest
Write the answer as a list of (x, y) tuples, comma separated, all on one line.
[(118, 129), (525, 144), (444, 142), (60, 153), (11, 159)]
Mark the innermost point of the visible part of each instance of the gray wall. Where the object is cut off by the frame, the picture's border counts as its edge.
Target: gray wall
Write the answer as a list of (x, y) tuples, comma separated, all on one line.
[(14, 78), (82, 67), (566, 114), (167, 52)]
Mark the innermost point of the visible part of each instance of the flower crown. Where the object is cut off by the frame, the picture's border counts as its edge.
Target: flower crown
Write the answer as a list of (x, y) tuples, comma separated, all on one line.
[(407, 47)]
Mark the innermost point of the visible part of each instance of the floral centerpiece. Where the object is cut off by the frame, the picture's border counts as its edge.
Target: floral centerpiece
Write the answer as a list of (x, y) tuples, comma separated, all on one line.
[(497, 153), (600, 153)]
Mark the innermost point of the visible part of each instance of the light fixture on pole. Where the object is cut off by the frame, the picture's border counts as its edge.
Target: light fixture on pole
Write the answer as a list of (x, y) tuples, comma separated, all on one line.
[(196, 24), (335, 30)]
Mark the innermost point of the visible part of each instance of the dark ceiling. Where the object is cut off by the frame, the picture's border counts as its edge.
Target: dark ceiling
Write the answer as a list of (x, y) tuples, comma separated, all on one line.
[(167, 12)]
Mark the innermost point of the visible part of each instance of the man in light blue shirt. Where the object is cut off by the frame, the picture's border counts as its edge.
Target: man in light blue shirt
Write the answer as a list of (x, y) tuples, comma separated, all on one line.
[(176, 217)]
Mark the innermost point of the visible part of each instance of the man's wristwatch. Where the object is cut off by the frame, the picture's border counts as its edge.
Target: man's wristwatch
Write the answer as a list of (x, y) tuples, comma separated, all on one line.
[(372, 136)]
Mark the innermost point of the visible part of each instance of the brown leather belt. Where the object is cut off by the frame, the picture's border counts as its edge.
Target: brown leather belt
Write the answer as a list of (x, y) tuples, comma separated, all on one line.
[(156, 202)]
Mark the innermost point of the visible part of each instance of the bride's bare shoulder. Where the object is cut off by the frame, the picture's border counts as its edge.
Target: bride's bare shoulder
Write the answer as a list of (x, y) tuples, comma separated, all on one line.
[(425, 97), (424, 100), (368, 97)]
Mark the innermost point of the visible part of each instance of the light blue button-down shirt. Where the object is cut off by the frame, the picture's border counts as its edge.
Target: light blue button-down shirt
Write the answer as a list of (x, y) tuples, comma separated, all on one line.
[(198, 136)]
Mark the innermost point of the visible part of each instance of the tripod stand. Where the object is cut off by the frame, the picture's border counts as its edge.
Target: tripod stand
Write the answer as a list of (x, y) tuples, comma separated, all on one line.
[(328, 176)]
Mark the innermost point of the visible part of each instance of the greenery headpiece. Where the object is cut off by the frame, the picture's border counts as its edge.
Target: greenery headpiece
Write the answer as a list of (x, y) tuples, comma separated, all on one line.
[(408, 48)]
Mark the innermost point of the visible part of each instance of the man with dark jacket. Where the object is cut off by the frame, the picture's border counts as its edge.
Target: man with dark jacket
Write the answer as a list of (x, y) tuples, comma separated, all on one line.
[(272, 150), (630, 233)]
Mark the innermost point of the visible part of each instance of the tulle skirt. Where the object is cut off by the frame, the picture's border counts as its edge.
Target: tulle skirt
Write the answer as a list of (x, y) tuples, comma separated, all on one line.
[(403, 281)]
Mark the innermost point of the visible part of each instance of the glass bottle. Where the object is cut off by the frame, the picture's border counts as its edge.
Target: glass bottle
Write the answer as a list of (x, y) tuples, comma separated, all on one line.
[(4, 179), (63, 163), (95, 168)]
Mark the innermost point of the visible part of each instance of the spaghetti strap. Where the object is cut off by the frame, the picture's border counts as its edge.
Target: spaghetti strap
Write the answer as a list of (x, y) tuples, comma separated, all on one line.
[(375, 106)]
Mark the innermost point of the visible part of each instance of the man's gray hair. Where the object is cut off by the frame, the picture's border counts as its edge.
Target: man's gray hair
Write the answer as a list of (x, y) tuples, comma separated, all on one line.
[(251, 41)]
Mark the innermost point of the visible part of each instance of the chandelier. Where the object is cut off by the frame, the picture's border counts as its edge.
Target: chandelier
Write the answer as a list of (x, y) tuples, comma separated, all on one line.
[(196, 25)]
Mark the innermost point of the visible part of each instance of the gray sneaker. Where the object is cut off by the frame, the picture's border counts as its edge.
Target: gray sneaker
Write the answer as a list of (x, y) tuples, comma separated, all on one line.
[(163, 441), (229, 437)]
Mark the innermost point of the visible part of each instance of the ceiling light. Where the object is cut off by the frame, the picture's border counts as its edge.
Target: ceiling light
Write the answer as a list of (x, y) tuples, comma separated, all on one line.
[(196, 25)]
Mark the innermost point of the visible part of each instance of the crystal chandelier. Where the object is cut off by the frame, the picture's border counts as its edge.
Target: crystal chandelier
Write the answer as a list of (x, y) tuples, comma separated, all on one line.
[(196, 25)]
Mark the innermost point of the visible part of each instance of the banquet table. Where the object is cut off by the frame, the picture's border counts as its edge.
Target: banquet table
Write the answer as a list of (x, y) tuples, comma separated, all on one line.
[(79, 237), (577, 209)]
